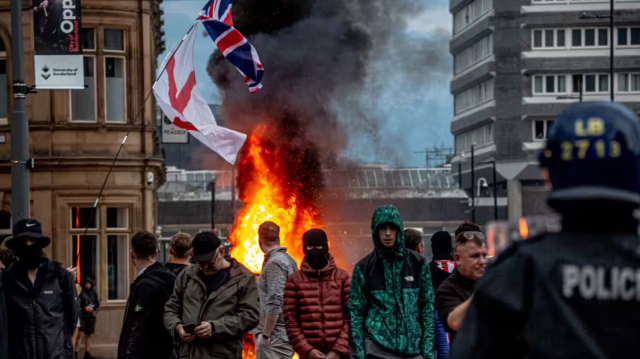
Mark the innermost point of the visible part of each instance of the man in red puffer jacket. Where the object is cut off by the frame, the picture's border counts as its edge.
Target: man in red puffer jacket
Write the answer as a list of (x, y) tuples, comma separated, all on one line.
[(315, 303)]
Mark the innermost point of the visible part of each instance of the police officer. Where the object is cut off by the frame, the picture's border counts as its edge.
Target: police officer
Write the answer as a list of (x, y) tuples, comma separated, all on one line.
[(576, 293)]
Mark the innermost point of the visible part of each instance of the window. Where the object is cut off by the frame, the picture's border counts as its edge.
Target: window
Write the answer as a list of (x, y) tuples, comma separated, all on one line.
[(541, 129), (590, 37), (83, 102), (110, 86), (110, 224), (114, 89), (474, 96), (549, 39), (4, 82), (470, 13), (479, 137), (629, 36), (473, 54), (5, 225), (629, 82), (592, 83), (549, 84)]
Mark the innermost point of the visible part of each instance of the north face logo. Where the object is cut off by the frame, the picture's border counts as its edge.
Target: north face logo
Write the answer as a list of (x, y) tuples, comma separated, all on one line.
[(408, 279)]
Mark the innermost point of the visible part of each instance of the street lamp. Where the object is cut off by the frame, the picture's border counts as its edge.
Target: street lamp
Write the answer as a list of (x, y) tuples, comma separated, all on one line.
[(586, 16), (473, 179), (495, 189)]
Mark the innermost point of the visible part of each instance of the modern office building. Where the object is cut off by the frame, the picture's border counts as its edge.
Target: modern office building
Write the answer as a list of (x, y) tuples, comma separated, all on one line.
[(519, 63)]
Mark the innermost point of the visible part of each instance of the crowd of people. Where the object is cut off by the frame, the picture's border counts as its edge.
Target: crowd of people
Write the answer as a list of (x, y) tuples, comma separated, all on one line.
[(571, 294)]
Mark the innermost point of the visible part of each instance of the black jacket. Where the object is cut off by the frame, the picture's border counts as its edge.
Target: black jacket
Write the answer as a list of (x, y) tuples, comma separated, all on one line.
[(564, 295), (4, 341), (176, 268), (438, 275), (40, 323), (88, 297), (143, 334)]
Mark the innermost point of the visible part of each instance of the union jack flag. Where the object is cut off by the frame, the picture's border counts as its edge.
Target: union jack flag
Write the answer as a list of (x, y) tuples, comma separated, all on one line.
[(217, 18)]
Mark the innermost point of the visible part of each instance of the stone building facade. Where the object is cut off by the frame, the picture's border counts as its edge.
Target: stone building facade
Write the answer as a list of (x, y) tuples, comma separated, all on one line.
[(74, 136)]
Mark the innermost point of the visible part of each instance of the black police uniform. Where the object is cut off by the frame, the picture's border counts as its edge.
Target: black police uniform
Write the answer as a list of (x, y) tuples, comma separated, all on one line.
[(574, 294)]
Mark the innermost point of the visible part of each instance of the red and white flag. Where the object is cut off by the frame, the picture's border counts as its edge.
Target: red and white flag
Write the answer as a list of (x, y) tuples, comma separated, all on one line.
[(178, 96)]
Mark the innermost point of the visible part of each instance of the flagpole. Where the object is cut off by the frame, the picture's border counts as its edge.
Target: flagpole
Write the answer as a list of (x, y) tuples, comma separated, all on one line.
[(115, 159)]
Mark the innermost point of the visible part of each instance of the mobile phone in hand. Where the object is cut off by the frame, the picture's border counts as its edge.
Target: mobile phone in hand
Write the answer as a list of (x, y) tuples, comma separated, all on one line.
[(189, 328)]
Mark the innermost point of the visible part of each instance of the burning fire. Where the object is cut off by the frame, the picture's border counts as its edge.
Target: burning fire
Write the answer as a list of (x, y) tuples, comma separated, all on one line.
[(272, 188), (268, 195)]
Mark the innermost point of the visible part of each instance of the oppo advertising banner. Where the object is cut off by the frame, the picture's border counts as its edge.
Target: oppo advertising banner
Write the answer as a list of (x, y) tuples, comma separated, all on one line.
[(58, 50)]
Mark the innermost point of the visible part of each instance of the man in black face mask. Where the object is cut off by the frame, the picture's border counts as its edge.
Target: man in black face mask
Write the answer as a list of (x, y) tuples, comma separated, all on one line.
[(319, 291), (42, 309)]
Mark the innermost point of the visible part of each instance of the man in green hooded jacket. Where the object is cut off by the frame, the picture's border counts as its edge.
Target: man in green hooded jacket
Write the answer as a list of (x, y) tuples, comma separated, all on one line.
[(391, 298)]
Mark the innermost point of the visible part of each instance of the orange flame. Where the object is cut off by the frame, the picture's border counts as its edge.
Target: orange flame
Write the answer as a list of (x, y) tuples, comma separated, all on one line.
[(268, 197)]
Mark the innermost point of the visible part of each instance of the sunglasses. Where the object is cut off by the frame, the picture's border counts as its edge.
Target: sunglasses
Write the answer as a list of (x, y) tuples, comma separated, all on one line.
[(468, 236)]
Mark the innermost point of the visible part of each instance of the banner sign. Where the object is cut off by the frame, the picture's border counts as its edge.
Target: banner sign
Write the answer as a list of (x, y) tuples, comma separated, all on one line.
[(172, 133), (58, 44)]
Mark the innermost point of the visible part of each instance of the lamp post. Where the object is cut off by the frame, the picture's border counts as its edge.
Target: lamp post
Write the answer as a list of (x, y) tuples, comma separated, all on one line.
[(19, 122), (473, 182), (586, 16), (495, 190)]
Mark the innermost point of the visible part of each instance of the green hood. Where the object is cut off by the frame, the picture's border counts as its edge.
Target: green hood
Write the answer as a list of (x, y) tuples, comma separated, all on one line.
[(387, 214)]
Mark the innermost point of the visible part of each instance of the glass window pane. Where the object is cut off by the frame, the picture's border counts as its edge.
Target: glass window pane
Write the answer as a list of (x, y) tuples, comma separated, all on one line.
[(604, 83), (590, 83), (561, 38), (623, 82), (114, 73), (83, 102), (548, 38), (550, 84), (635, 36), (576, 38), (603, 37), (577, 83), (80, 217), (117, 218), (87, 262), (635, 82), (4, 102), (538, 84), (88, 39), (589, 37), (539, 130), (117, 267), (562, 84), (622, 36), (114, 40), (537, 38)]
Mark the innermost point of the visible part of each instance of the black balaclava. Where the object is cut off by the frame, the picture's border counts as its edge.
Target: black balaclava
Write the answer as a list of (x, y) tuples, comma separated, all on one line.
[(30, 255), (441, 246), (316, 258)]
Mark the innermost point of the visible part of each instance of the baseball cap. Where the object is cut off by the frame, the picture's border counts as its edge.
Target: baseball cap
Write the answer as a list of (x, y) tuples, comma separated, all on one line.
[(205, 245), (27, 228)]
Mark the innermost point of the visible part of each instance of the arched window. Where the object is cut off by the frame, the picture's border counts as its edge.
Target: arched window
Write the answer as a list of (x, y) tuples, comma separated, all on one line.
[(4, 86)]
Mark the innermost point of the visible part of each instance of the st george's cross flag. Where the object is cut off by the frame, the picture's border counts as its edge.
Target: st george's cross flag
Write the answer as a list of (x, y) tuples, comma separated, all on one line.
[(178, 96), (216, 16)]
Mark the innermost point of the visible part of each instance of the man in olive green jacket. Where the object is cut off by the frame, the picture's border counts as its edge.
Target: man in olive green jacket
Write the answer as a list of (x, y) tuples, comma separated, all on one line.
[(214, 302)]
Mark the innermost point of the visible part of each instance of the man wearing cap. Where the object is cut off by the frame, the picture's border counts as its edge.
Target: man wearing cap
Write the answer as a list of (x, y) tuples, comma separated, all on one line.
[(315, 302), (213, 303), (576, 293), (41, 299), (143, 335)]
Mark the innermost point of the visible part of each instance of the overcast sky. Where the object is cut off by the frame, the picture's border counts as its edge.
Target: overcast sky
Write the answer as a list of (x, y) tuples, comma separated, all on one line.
[(423, 116)]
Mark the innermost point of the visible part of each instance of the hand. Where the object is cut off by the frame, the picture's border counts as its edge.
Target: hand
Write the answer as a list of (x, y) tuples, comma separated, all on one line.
[(266, 341), (333, 355), (183, 335), (316, 354), (45, 3), (204, 330), (73, 271), (88, 309)]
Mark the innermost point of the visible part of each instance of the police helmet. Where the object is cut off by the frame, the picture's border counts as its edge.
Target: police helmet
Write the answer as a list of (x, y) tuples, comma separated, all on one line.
[(593, 153)]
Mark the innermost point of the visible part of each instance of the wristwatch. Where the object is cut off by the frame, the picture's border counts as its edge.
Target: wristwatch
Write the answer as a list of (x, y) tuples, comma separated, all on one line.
[(266, 336)]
